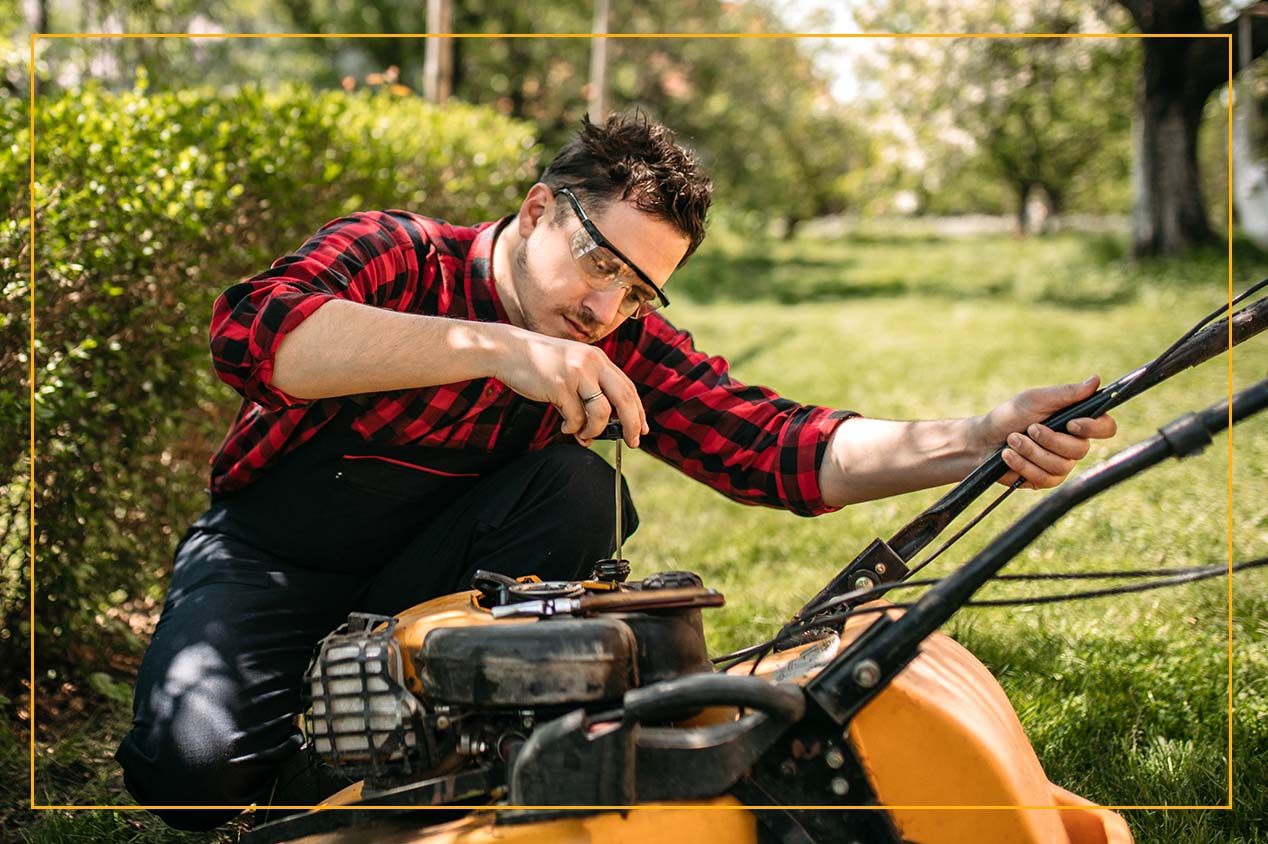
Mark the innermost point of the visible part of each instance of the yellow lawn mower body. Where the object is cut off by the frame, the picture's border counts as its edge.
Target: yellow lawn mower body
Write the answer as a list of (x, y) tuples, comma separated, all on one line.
[(939, 755)]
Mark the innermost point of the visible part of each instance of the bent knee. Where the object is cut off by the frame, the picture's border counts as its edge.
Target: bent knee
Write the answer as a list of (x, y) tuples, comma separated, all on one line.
[(164, 781), (166, 767)]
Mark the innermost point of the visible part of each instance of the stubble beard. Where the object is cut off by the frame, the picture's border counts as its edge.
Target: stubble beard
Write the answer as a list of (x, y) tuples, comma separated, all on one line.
[(525, 282), (528, 285)]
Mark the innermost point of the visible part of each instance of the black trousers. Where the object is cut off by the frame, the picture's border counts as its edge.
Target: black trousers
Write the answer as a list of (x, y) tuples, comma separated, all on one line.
[(219, 687)]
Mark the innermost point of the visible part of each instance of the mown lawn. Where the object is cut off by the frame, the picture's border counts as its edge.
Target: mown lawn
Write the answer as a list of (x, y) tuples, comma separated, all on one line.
[(1126, 699)]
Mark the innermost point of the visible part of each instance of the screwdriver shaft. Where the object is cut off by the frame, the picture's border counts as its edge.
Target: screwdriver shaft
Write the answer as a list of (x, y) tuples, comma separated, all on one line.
[(619, 532)]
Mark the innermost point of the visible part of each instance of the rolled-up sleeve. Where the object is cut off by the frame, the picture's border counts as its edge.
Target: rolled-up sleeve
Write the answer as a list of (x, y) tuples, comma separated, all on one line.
[(369, 258), (747, 442)]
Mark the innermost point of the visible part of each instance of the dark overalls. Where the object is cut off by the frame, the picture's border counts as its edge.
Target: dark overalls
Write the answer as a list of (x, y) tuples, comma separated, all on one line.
[(337, 525)]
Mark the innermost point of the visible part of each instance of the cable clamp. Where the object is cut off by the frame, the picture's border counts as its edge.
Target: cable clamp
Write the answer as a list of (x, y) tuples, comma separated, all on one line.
[(1186, 435)]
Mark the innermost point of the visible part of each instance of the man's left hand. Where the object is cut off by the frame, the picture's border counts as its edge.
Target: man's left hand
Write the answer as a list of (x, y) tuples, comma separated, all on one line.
[(1035, 452)]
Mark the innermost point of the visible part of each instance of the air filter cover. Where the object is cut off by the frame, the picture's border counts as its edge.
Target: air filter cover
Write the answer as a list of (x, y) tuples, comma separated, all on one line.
[(538, 663)]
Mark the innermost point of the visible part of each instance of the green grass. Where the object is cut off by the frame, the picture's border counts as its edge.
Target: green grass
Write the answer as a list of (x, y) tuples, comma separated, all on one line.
[(1124, 699), (79, 770)]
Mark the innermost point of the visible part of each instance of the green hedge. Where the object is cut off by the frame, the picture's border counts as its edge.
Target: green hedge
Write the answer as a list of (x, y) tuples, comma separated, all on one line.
[(14, 363), (148, 207)]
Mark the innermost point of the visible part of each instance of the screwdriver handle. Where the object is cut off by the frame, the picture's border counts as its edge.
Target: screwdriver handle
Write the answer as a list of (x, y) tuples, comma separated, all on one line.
[(612, 431)]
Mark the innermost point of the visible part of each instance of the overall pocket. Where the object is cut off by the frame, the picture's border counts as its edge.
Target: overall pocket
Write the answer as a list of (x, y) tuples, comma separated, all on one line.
[(406, 479)]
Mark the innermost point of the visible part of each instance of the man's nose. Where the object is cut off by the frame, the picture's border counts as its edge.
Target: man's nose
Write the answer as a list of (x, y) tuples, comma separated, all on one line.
[(605, 304)]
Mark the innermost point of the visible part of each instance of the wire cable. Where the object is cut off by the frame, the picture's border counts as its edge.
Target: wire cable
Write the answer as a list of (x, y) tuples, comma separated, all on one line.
[(1191, 576), (1119, 391), (1095, 405), (1161, 578), (982, 515), (1124, 386)]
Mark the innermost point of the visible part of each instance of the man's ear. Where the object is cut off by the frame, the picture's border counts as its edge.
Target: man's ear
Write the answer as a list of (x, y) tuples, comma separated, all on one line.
[(535, 209)]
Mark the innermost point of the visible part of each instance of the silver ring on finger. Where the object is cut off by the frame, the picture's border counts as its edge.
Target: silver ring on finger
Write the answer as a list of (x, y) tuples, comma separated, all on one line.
[(588, 399)]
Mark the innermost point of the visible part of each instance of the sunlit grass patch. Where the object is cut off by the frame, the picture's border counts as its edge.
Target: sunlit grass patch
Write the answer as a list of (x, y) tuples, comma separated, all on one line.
[(1124, 698)]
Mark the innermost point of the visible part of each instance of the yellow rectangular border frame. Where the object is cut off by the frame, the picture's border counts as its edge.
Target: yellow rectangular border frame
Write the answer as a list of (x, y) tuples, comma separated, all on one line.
[(690, 807)]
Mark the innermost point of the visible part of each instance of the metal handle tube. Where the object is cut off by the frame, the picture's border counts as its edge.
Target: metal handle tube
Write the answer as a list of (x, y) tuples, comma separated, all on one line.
[(1204, 345), (891, 643)]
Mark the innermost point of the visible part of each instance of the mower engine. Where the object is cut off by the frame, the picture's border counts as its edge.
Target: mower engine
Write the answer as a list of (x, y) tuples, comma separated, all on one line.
[(600, 693), (445, 695)]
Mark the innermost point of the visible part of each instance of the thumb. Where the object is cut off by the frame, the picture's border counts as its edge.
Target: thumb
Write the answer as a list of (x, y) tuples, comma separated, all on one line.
[(1067, 394), (1086, 388)]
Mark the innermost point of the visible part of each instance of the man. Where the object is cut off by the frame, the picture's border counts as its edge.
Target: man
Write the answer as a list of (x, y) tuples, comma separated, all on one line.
[(414, 397)]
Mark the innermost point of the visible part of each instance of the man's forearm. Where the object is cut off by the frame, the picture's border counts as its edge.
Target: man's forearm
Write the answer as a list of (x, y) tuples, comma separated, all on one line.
[(344, 348), (874, 458)]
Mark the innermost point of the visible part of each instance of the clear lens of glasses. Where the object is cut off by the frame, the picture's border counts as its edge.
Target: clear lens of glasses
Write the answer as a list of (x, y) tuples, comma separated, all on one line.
[(604, 271)]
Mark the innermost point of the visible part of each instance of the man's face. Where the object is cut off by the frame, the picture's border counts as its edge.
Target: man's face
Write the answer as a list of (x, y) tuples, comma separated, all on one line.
[(557, 293)]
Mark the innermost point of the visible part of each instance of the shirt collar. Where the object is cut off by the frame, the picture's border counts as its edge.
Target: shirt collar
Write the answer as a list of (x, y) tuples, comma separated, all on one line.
[(483, 303)]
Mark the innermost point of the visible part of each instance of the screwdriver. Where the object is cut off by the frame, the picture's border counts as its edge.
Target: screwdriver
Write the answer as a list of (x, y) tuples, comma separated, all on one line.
[(613, 432)]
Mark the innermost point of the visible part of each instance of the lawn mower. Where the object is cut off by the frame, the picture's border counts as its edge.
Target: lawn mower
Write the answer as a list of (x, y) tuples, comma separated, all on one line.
[(530, 711)]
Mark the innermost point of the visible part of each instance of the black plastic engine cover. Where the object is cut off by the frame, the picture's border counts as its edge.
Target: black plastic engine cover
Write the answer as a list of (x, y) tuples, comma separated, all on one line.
[(548, 662), (670, 644)]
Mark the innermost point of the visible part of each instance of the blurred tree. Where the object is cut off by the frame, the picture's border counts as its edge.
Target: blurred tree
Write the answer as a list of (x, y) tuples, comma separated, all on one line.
[(1035, 114), (758, 110), (438, 52), (761, 115), (1063, 111), (1178, 77), (598, 84), (537, 79), (36, 15), (1250, 148)]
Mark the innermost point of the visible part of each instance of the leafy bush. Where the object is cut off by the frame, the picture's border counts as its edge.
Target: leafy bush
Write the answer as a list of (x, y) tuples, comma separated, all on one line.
[(14, 365), (146, 208)]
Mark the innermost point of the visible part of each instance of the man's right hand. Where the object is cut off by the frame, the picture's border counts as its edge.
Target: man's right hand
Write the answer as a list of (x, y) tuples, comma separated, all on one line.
[(564, 373), (347, 347)]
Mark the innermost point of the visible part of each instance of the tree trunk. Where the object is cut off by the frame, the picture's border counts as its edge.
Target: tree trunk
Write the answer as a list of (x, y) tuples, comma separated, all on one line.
[(438, 58), (1169, 214), (1023, 209), (36, 12), (599, 64), (1056, 207), (1178, 76)]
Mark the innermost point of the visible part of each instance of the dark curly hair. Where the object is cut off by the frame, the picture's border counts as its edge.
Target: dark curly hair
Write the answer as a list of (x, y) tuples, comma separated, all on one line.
[(628, 156)]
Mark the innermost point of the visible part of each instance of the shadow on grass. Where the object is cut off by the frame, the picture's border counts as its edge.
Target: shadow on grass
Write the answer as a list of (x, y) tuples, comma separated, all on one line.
[(1248, 260), (1139, 720), (751, 275), (79, 770), (1089, 301), (1077, 271), (759, 346), (718, 277)]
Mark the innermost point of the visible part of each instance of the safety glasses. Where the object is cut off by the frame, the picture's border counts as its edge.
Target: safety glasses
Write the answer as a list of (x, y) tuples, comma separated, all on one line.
[(604, 267)]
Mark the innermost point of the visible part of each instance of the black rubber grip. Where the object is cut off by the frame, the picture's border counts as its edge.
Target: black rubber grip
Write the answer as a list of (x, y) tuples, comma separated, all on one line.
[(612, 431), (671, 697)]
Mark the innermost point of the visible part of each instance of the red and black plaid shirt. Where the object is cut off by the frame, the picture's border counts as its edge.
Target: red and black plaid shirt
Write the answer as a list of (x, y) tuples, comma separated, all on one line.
[(746, 442)]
